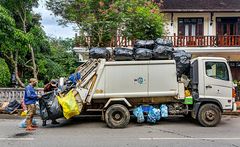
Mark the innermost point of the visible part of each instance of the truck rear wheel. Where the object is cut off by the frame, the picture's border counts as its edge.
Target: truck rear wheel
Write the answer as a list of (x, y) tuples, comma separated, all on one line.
[(209, 115), (117, 116)]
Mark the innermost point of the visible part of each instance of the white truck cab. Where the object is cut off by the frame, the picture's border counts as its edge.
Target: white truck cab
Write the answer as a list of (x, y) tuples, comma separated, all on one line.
[(212, 84)]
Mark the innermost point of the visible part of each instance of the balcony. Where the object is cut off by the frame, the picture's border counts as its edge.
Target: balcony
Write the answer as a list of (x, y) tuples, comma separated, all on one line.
[(119, 41), (178, 41), (205, 41)]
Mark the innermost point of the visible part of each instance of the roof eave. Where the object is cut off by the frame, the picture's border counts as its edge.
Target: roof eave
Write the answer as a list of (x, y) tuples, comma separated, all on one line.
[(198, 10)]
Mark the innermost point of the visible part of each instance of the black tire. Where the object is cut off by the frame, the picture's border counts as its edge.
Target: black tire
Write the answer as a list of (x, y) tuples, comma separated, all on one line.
[(117, 116), (209, 115)]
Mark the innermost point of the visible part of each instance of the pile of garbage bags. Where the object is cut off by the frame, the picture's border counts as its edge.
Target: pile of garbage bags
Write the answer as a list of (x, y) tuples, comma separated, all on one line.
[(62, 101), (159, 49), (153, 114)]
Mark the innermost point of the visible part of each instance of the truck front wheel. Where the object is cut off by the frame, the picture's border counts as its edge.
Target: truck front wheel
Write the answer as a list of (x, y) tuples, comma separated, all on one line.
[(117, 116), (209, 115)]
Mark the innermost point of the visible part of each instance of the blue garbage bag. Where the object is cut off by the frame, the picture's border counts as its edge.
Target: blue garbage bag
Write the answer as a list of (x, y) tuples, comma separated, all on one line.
[(164, 110), (23, 123), (146, 108), (138, 112), (153, 115), (74, 77)]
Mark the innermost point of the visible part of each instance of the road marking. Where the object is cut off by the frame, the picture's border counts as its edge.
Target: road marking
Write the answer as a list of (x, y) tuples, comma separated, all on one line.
[(17, 139), (189, 138)]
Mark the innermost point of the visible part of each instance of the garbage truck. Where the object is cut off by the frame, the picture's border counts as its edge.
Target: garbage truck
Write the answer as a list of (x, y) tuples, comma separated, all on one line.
[(115, 88)]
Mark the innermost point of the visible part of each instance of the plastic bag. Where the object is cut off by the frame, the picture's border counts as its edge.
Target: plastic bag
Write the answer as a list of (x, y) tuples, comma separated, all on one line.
[(138, 112), (163, 42), (97, 53), (69, 105), (24, 113), (162, 52), (149, 44), (50, 107), (75, 77), (13, 105), (121, 54), (143, 54), (55, 110), (146, 108), (23, 123), (153, 115), (183, 61), (164, 110)]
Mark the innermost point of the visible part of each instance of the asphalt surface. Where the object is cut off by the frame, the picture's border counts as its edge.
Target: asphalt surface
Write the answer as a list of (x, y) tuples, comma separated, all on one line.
[(87, 132)]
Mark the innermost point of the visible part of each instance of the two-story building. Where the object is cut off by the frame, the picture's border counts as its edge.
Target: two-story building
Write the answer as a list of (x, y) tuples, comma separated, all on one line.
[(201, 27), (205, 28)]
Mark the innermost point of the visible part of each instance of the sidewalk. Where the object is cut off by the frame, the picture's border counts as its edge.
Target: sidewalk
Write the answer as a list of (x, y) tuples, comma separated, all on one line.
[(8, 116)]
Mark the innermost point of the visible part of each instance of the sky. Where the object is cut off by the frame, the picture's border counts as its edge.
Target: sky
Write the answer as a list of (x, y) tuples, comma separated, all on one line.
[(50, 24)]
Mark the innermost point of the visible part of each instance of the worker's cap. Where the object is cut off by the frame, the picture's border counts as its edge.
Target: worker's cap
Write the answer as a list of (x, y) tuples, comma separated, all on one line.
[(33, 80)]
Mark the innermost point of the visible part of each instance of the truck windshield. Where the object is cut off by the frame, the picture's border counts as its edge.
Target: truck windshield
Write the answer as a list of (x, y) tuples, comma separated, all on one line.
[(217, 70)]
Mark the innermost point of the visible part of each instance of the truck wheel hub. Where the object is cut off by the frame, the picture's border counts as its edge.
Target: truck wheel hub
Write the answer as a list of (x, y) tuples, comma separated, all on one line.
[(210, 115), (117, 116)]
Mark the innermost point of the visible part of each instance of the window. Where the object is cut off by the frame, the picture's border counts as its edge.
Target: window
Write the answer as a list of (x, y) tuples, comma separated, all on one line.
[(190, 26), (217, 70)]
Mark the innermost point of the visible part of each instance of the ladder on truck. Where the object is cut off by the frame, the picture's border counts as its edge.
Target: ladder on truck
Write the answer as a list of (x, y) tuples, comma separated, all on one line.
[(91, 72)]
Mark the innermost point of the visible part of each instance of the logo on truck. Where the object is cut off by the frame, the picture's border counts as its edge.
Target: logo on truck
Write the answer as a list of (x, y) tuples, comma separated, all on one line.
[(139, 80)]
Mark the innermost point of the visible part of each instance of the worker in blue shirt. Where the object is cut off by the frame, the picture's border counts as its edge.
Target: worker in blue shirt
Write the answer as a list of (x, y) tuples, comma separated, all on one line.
[(30, 99)]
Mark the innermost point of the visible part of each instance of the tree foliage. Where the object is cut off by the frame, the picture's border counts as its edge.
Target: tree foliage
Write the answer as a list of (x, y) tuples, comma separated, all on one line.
[(5, 76), (104, 19), (52, 55), (59, 61)]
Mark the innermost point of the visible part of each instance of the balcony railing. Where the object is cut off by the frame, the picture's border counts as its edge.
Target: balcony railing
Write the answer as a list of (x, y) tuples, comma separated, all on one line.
[(119, 41), (178, 41), (205, 41)]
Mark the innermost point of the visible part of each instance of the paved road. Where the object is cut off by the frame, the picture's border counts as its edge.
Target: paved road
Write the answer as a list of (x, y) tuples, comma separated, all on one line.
[(92, 132)]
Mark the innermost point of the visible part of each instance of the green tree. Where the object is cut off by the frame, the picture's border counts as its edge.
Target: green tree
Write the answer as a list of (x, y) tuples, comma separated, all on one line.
[(5, 75), (25, 19), (104, 19), (60, 61), (12, 41)]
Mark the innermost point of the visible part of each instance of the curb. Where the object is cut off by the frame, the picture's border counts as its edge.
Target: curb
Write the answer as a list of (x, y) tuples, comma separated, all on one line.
[(8, 116), (232, 113)]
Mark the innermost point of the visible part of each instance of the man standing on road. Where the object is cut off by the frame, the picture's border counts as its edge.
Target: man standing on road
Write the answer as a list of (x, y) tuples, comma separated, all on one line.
[(30, 99)]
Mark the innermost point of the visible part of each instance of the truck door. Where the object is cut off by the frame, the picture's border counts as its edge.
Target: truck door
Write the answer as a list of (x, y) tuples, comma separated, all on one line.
[(218, 82)]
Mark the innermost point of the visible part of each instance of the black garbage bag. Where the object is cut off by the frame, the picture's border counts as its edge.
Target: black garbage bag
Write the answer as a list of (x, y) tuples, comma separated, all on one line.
[(49, 107), (162, 52), (183, 61), (121, 54), (97, 53), (163, 42), (13, 105), (143, 54), (149, 44)]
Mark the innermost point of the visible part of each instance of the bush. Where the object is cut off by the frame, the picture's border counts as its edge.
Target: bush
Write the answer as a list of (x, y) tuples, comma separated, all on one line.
[(5, 76)]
